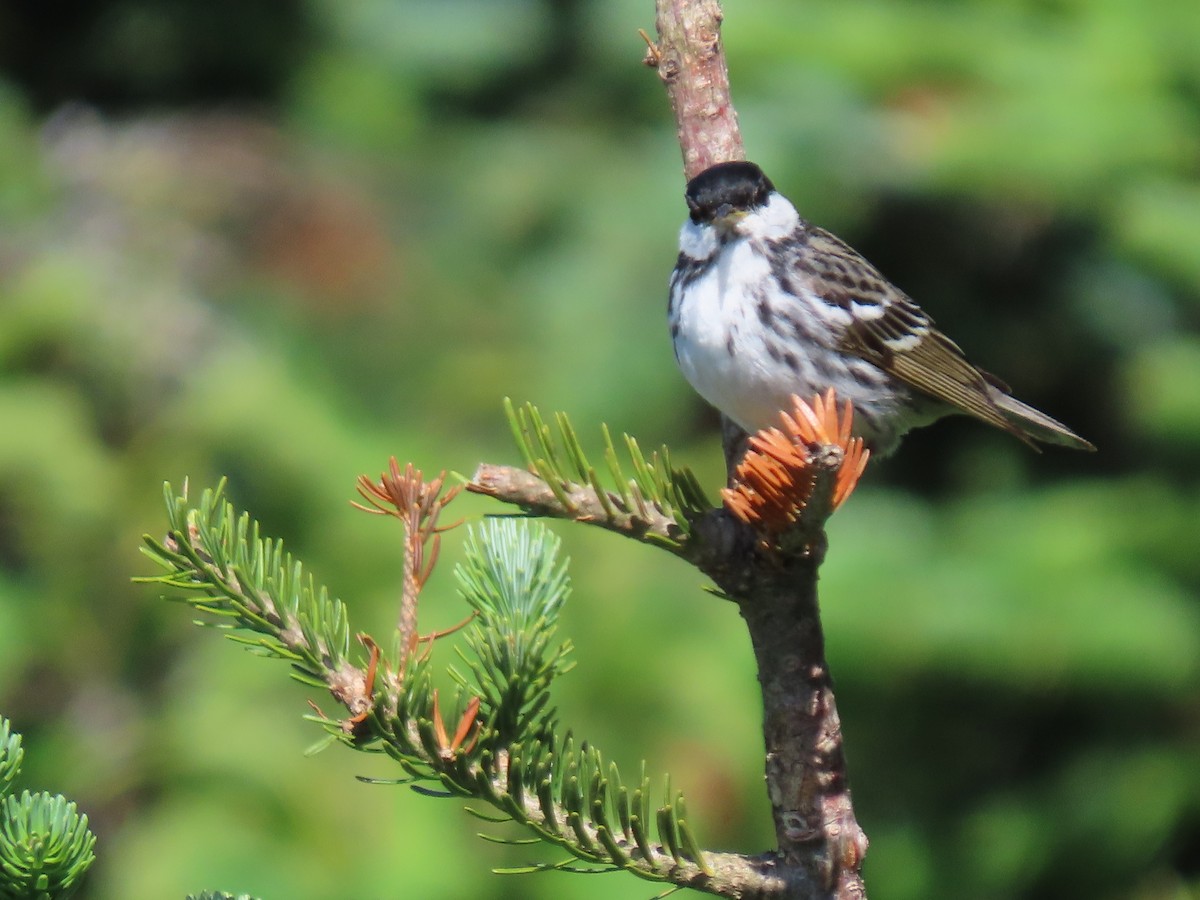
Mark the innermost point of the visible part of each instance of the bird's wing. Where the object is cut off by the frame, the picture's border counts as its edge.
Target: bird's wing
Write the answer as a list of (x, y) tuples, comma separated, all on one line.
[(890, 331)]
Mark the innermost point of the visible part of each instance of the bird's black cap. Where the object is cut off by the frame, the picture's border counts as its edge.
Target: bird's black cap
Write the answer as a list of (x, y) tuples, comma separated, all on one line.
[(732, 186)]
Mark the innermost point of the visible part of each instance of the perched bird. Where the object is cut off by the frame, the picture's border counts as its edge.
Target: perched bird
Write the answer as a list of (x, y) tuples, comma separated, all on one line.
[(765, 305)]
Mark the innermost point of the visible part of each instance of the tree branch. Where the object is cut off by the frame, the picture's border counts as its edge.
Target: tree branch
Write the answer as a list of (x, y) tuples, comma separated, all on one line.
[(776, 594), (691, 64), (581, 503), (819, 843)]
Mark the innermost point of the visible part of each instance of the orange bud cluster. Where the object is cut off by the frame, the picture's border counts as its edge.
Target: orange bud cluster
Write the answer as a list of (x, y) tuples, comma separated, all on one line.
[(774, 481)]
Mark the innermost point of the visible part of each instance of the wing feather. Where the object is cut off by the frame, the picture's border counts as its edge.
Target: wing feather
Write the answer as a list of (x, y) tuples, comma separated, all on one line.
[(890, 331)]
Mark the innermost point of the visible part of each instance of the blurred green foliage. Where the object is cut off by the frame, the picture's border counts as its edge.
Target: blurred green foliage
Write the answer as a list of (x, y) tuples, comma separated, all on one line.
[(337, 231)]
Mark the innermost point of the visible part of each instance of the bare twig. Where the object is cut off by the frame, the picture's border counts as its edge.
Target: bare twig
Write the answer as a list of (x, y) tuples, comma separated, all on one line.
[(689, 60), (417, 503)]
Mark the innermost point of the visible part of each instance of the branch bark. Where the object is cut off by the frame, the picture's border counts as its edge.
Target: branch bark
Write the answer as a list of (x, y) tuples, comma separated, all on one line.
[(691, 64)]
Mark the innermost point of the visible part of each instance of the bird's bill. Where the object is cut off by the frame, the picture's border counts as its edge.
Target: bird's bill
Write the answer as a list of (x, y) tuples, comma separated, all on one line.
[(727, 219)]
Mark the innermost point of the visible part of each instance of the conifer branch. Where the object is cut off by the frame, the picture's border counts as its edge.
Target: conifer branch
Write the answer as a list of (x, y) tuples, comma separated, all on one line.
[(46, 847), (257, 592), (763, 550), (658, 503), (796, 475), (500, 742)]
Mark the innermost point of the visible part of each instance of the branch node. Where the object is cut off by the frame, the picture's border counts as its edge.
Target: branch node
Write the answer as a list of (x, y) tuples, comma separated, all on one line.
[(653, 55)]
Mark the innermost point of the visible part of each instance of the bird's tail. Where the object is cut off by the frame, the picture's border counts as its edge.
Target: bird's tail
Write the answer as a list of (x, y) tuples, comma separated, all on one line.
[(1035, 425)]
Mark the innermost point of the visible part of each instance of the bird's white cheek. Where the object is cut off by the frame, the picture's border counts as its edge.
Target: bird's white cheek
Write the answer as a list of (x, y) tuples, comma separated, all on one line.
[(697, 241), (773, 222)]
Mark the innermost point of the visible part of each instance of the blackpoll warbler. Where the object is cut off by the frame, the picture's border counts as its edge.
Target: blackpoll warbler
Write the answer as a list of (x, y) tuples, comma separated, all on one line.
[(765, 305)]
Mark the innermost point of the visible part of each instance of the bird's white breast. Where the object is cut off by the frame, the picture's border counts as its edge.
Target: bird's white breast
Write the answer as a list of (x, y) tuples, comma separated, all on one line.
[(736, 340), (721, 345)]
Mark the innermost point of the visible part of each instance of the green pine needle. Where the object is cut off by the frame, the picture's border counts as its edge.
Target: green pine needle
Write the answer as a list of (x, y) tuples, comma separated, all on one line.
[(485, 817), (515, 842), (557, 456), (11, 755)]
